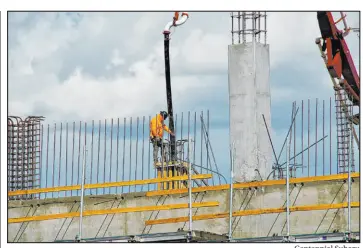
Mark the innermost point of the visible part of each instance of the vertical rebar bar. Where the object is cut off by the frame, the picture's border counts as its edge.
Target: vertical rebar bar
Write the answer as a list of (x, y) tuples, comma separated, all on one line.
[(54, 142), (60, 156), (265, 27), (91, 176), (117, 153), (201, 145), (195, 135), (66, 157), (232, 28), (239, 27), (302, 135), (330, 132), (316, 136), (41, 159), (176, 128), (294, 136), (308, 137), (47, 164), (74, 131), (181, 133), (110, 175), (85, 143), (137, 149), (142, 150), (130, 152), (190, 181), (323, 136), (148, 164), (123, 154), (104, 156), (98, 153), (207, 146), (79, 168), (259, 26)]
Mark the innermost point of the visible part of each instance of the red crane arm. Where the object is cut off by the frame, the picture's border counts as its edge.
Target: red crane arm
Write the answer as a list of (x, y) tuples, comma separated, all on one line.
[(339, 60)]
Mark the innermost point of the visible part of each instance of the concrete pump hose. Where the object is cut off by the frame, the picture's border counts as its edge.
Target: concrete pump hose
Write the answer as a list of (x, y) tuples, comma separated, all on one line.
[(177, 22)]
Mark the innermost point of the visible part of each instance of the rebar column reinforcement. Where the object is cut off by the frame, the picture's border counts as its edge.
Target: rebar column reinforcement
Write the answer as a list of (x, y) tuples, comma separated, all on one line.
[(24, 154), (249, 26)]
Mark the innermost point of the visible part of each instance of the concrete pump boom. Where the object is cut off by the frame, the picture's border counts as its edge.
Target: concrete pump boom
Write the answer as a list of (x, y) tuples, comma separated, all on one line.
[(176, 22)]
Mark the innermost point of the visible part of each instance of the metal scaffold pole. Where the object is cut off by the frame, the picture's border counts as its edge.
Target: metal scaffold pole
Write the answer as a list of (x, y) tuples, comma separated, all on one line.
[(288, 189), (189, 185), (349, 199), (350, 163), (82, 194)]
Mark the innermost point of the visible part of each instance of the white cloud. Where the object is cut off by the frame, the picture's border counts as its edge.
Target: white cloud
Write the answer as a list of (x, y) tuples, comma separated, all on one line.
[(102, 65)]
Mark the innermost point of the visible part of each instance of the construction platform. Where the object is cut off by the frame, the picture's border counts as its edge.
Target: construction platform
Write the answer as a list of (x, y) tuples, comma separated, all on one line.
[(204, 237), (306, 238), (176, 237)]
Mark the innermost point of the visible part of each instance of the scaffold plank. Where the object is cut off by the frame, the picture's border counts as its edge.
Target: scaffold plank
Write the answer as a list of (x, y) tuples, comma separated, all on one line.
[(253, 184), (107, 185), (112, 211), (253, 212)]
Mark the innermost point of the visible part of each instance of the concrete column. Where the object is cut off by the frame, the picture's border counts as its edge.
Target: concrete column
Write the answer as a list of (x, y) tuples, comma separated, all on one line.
[(249, 98)]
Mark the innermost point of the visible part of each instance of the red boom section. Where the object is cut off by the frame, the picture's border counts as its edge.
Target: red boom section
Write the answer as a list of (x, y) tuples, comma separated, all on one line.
[(339, 60)]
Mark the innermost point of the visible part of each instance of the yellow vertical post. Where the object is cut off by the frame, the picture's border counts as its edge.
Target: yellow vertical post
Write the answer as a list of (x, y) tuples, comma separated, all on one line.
[(177, 174), (159, 176), (165, 175), (170, 175)]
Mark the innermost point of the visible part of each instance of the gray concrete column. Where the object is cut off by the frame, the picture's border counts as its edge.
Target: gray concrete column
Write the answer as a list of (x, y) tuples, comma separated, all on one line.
[(249, 98)]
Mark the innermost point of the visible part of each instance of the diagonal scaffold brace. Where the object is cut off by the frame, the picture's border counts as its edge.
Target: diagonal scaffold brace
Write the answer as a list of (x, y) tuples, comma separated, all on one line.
[(177, 21)]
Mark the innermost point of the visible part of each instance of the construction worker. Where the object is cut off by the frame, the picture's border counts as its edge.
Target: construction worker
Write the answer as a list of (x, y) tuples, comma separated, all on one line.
[(157, 128)]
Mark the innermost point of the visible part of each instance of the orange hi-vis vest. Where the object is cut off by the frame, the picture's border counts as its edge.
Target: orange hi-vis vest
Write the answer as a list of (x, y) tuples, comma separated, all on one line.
[(157, 127)]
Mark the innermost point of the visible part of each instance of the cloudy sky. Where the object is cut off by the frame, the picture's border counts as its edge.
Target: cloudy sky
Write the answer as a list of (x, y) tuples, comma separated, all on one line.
[(92, 66)]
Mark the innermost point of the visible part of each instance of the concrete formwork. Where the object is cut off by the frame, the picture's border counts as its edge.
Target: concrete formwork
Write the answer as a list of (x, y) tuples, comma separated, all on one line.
[(249, 98), (308, 222)]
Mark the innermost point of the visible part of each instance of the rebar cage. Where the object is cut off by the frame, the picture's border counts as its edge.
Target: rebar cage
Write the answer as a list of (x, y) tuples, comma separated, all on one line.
[(24, 154), (247, 26)]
